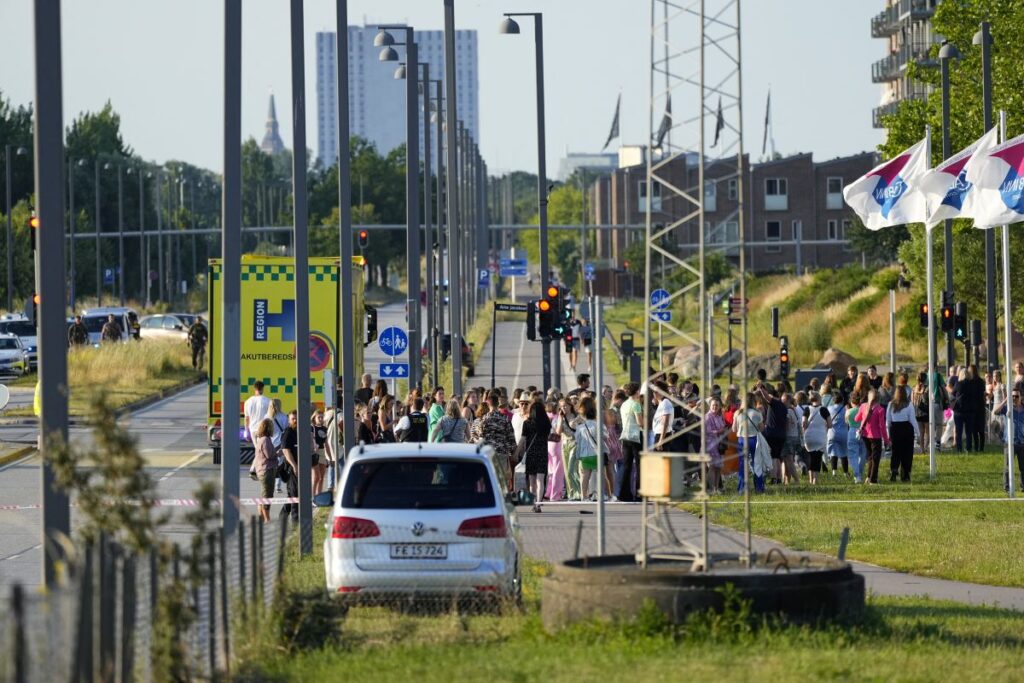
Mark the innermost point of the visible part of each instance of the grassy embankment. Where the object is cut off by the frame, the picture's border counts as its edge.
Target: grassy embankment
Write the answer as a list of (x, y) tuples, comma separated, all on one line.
[(897, 639), (127, 372), (966, 541)]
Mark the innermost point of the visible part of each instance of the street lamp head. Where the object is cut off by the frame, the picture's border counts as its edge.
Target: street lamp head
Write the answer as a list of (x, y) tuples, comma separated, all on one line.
[(508, 25), (383, 39), (81, 162), (948, 51), (388, 54), (400, 72), (979, 38), (107, 166), (21, 151)]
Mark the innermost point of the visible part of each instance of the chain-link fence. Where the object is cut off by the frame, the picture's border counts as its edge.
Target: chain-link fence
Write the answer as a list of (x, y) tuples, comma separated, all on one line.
[(101, 623)]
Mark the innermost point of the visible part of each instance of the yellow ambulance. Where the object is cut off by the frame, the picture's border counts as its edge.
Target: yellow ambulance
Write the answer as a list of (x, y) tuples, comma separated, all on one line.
[(267, 307)]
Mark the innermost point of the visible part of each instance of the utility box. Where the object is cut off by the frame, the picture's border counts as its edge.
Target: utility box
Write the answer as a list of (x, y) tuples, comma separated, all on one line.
[(661, 475), (626, 344)]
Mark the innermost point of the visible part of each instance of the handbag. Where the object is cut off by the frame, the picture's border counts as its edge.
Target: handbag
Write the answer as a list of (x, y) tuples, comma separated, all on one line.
[(519, 454)]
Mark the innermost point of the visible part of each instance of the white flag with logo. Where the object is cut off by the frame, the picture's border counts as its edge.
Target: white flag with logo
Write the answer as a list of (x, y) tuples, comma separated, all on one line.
[(998, 177), (889, 194), (947, 191)]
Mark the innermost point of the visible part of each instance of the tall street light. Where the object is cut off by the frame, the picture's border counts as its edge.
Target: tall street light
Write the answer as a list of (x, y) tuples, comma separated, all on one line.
[(72, 166), (435, 289), (21, 151), (143, 252), (96, 215), (451, 197), (428, 239), (984, 38), (120, 231), (509, 26), (410, 72), (946, 52)]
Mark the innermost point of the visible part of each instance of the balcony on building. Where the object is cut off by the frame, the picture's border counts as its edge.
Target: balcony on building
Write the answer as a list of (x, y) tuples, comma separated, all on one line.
[(917, 10), (885, 69), (885, 23)]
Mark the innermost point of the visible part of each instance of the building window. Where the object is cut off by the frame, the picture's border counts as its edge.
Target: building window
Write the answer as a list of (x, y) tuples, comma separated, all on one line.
[(641, 194), (710, 195), (733, 189), (845, 234), (834, 193), (773, 233), (776, 194), (833, 229), (797, 227)]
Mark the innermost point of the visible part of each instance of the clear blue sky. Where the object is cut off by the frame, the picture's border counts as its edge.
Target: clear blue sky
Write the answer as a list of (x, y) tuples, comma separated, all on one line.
[(160, 64)]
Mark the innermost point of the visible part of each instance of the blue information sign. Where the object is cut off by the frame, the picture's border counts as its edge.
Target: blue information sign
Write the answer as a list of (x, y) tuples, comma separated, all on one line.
[(512, 267), (392, 370), (483, 278), (659, 298), (393, 341), (661, 316)]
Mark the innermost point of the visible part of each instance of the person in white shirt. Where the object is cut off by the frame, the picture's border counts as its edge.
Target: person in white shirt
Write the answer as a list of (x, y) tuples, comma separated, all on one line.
[(662, 421), (257, 408), (519, 417), (901, 424)]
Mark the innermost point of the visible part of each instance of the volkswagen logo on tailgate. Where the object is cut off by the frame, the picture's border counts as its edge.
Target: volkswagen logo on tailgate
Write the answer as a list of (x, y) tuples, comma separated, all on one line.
[(418, 529)]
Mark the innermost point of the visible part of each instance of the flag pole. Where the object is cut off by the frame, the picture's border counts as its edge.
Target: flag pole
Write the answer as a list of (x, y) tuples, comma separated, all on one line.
[(1010, 486), (931, 323)]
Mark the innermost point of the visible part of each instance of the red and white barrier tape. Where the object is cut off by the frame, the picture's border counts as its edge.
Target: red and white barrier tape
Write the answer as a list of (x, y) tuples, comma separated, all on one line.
[(172, 503)]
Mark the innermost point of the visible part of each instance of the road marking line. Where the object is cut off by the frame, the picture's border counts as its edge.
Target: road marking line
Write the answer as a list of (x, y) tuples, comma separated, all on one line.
[(519, 358), (182, 466)]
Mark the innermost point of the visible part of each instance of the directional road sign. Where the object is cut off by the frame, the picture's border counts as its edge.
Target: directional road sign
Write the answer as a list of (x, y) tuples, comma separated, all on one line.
[(393, 341), (392, 370), (659, 298), (588, 269), (518, 308), (483, 278), (661, 316), (512, 267)]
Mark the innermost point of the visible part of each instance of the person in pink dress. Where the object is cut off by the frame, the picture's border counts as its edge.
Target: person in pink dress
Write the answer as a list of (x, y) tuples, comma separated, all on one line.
[(556, 474), (715, 430), (871, 416)]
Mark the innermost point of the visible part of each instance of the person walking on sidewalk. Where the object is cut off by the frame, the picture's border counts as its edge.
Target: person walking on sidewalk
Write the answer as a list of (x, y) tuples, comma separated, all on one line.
[(632, 441), (78, 333), (197, 336)]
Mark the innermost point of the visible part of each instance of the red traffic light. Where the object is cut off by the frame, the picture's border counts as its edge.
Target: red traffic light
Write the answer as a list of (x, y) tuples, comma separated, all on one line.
[(36, 298), (552, 292), (544, 305), (33, 222), (924, 309), (784, 357)]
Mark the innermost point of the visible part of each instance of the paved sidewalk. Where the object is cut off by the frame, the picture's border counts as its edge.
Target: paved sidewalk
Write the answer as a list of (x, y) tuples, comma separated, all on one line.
[(553, 534)]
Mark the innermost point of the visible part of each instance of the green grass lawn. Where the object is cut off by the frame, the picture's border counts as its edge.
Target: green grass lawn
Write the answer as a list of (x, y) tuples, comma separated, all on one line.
[(896, 639), (966, 541)]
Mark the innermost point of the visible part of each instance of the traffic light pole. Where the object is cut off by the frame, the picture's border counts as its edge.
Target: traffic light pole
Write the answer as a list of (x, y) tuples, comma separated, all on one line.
[(348, 373)]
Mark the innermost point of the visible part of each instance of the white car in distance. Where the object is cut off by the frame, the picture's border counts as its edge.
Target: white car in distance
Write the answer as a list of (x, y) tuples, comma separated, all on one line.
[(422, 522), (13, 357)]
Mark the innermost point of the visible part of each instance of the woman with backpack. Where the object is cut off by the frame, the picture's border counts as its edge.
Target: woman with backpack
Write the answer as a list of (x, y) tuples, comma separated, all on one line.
[(901, 424), (452, 428), (873, 432), (838, 435), (816, 425)]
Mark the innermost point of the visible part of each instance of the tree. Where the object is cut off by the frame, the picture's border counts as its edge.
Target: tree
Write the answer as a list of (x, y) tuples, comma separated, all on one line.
[(16, 131), (958, 21), (564, 208)]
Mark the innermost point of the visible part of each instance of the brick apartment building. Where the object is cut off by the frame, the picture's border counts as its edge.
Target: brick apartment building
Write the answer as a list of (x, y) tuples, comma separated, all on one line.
[(794, 211)]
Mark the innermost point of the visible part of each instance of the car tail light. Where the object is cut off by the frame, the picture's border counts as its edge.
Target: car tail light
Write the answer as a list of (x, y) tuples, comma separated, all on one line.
[(353, 527), (484, 527), (349, 589)]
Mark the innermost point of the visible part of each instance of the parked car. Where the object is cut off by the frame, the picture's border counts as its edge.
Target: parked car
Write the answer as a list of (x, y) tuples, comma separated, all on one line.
[(19, 326), (164, 326), (95, 318), (13, 357), (446, 350), (427, 522)]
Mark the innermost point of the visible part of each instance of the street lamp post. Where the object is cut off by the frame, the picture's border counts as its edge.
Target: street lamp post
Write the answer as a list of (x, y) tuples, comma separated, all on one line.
[(99, 258), (120, 233), (71, 233), (451, 198), (946, 52), (428, 230), (143, 252), (509, 26), (984, 38), (412, 208), (10, 234), (436, 287)]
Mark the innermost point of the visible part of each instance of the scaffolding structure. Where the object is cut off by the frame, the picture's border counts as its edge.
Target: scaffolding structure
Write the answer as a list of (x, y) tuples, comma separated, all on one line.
[(694, 157)]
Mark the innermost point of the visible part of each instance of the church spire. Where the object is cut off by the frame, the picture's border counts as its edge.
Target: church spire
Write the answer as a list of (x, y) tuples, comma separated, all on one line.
[(272, 142)]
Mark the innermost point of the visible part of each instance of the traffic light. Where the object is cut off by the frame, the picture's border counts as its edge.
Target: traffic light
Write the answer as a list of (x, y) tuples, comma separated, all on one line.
[(947, 318), (924, 316), (545, 318), (364, 238), (531, 320), (33, 224), (568, 340), (784, 357), (960, 321), (32, 309)]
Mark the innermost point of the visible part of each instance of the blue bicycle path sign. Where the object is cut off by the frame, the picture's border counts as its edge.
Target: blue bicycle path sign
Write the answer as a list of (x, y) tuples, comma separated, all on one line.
[(393, 341)]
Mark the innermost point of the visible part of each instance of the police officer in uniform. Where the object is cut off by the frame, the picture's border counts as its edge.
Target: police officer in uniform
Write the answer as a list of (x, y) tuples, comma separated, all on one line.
[(413, 427), (197, 340), (78, 335)]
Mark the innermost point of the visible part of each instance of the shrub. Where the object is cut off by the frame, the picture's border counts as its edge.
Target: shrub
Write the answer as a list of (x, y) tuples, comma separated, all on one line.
[(885, 279)]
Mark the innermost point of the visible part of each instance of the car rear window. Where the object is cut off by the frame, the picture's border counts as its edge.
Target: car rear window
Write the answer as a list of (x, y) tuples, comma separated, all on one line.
[(418, 484)]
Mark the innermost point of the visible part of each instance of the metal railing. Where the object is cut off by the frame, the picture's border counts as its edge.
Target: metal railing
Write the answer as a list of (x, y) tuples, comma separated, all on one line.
[(100, 624)]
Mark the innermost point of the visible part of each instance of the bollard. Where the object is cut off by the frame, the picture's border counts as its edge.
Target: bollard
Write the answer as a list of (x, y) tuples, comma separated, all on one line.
[(225, 622), (83, 646), (844, 539), (241, 559), (19, 651), (211, 566), (128, 602)]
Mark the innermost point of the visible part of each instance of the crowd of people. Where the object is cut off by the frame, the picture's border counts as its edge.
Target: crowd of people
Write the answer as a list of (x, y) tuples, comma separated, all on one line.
[(839, 427)]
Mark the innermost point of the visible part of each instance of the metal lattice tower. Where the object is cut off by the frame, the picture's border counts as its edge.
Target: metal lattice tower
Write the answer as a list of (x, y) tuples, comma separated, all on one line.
[(695, 162)]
